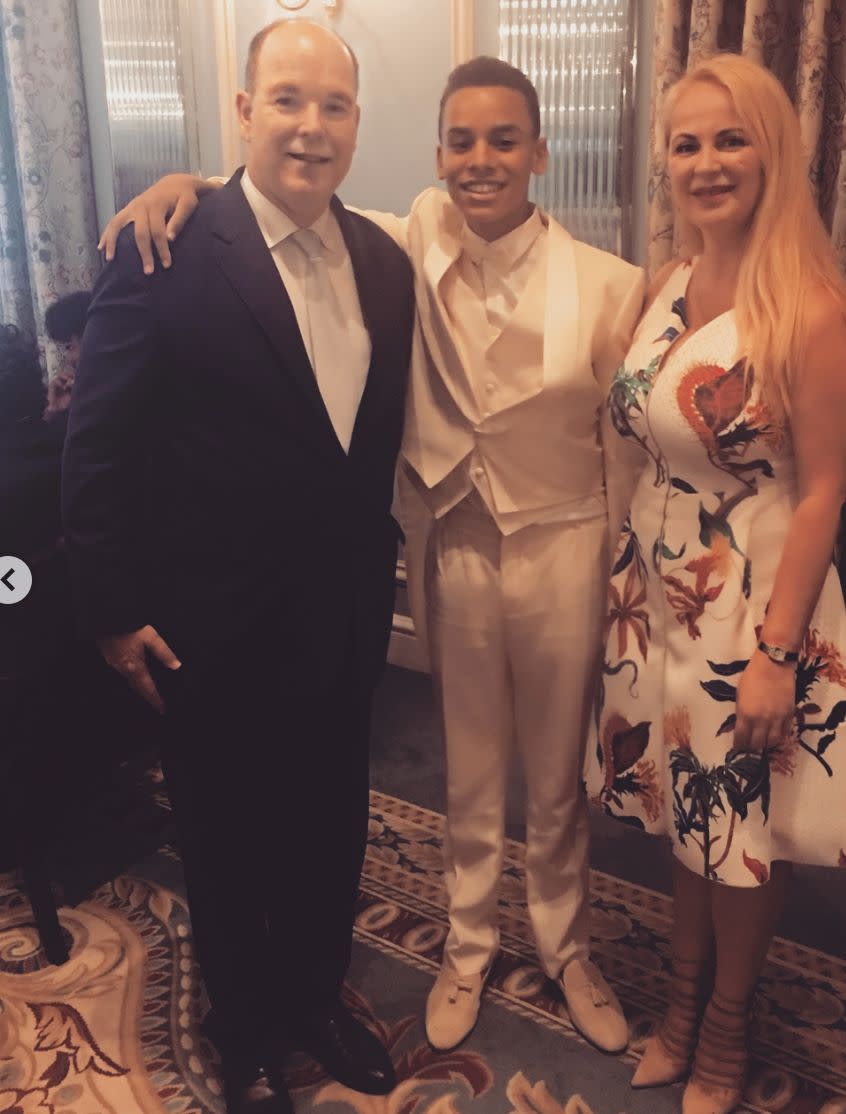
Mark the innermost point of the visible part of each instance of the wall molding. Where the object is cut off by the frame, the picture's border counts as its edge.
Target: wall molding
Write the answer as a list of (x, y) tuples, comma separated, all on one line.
[(462, 31), (462, 47), (226, 52), (404, 649)]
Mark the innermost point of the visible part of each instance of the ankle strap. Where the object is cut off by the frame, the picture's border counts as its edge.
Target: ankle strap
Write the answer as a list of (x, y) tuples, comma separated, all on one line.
[(696, 964), (730, 1007), (727, 1059)]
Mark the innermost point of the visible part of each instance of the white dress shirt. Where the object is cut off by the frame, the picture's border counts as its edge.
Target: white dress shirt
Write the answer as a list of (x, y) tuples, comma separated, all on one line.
[(291, 262), (497, 271), (480, 294)]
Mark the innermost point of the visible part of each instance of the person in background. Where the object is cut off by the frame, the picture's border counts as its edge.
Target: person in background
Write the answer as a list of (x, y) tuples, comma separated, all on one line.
[(720, 717), (37, 631), (228, 480), (506, 501), (65, 323), (30, 517), (66, 718)]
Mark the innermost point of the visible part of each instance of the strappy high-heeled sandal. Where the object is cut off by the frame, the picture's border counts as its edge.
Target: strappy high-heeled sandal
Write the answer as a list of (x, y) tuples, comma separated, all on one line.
[(722, 1053), (668, 1054)]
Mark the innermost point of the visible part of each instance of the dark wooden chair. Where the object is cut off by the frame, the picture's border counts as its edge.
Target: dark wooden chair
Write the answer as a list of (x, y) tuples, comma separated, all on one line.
[(67, 729), (64, 715)]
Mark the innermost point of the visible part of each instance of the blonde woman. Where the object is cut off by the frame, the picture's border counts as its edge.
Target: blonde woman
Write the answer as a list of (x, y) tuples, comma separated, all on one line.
[(720, 717)]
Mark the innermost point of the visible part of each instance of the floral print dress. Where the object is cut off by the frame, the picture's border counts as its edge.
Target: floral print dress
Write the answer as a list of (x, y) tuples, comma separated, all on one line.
[(690, 582)]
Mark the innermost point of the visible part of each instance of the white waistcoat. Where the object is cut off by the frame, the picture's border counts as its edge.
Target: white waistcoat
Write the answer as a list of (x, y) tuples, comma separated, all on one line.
[(549, 443), (540, 447)]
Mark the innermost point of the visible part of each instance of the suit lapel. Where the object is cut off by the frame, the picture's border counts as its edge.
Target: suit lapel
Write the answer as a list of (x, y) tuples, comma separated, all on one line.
[(366, 282), (442, 239), (248, 265), (561, 324), (368, 285)]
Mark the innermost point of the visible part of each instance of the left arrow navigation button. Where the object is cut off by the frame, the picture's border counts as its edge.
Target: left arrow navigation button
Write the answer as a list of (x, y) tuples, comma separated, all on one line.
[(15, 579)]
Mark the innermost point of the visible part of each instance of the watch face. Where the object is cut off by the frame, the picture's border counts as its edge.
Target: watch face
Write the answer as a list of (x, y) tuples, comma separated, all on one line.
[(777, 653)]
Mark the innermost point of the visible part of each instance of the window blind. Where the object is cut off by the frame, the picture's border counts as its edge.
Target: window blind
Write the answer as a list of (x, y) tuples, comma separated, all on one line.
[(143, 45), (579, 55)]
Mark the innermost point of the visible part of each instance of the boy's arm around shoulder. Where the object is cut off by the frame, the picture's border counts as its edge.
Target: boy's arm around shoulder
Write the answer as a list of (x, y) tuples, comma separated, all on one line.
[(396, 227), (385, 250), (425, 209), (624, 293)]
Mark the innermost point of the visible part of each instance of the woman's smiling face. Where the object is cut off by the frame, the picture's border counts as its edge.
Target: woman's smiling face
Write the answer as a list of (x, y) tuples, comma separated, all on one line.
[(716, 173)]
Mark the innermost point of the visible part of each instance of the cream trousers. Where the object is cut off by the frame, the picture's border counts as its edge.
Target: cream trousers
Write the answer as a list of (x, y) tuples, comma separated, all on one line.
[(514, 629)]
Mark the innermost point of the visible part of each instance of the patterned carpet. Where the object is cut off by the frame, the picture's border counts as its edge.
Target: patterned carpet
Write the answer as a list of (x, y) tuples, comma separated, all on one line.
[(116, 1030)]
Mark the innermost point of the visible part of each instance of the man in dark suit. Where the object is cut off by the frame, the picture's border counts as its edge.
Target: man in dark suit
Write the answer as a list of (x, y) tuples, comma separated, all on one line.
[(227, 490)]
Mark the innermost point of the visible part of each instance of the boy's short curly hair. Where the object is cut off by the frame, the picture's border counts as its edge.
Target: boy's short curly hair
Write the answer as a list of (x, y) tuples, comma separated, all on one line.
[(487, 71), (65, 318)]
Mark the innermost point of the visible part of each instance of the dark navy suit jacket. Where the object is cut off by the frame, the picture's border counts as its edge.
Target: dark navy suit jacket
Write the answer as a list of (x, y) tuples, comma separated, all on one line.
[(204, 489)]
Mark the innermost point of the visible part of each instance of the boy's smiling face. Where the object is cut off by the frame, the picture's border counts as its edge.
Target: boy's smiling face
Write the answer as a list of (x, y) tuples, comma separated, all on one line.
[(487, 156)]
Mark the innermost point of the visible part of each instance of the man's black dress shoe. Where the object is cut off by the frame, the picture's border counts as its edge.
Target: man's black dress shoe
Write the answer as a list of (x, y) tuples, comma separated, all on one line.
[(347, 1049), (250, 1090)]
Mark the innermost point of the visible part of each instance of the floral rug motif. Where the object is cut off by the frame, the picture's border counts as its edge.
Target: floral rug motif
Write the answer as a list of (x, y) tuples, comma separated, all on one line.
[(799, 1042), (116, 1030)]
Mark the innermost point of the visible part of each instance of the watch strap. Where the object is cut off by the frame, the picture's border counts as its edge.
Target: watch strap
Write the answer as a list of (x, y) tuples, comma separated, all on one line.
[(778, 653)]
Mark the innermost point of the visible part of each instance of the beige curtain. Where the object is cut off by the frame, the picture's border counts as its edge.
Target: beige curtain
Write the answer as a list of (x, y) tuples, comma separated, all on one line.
[(804, 43), (48, 226)]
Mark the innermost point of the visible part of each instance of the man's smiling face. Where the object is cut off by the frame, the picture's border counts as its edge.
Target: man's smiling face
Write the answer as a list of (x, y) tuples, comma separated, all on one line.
[(487, 156), (301, 119)]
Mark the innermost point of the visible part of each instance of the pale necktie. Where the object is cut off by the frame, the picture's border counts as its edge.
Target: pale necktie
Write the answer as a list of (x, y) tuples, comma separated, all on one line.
[(493, 266), (327, 340)]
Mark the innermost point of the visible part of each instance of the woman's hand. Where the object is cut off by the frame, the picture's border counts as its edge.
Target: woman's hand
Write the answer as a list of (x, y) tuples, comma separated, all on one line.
[(159, 214), (766, 704)]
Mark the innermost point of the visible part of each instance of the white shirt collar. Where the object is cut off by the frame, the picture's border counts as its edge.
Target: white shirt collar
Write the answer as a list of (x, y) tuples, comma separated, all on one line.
[(276, 226), (507, 250), (504, 252)]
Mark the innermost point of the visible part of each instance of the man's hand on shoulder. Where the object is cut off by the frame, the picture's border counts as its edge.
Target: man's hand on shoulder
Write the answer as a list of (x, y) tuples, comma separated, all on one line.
[(127, 655), (159, 215)]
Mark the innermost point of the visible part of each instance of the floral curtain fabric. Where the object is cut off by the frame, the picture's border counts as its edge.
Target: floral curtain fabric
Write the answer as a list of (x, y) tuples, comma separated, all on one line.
[(48, 225), (804, 43)]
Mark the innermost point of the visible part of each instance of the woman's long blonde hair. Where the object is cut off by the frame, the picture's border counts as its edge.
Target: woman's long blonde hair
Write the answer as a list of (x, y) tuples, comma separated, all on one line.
[(789, 257)]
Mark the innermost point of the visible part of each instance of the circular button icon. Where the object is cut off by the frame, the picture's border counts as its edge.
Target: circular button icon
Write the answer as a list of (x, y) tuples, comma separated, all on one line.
[(15, 580)]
